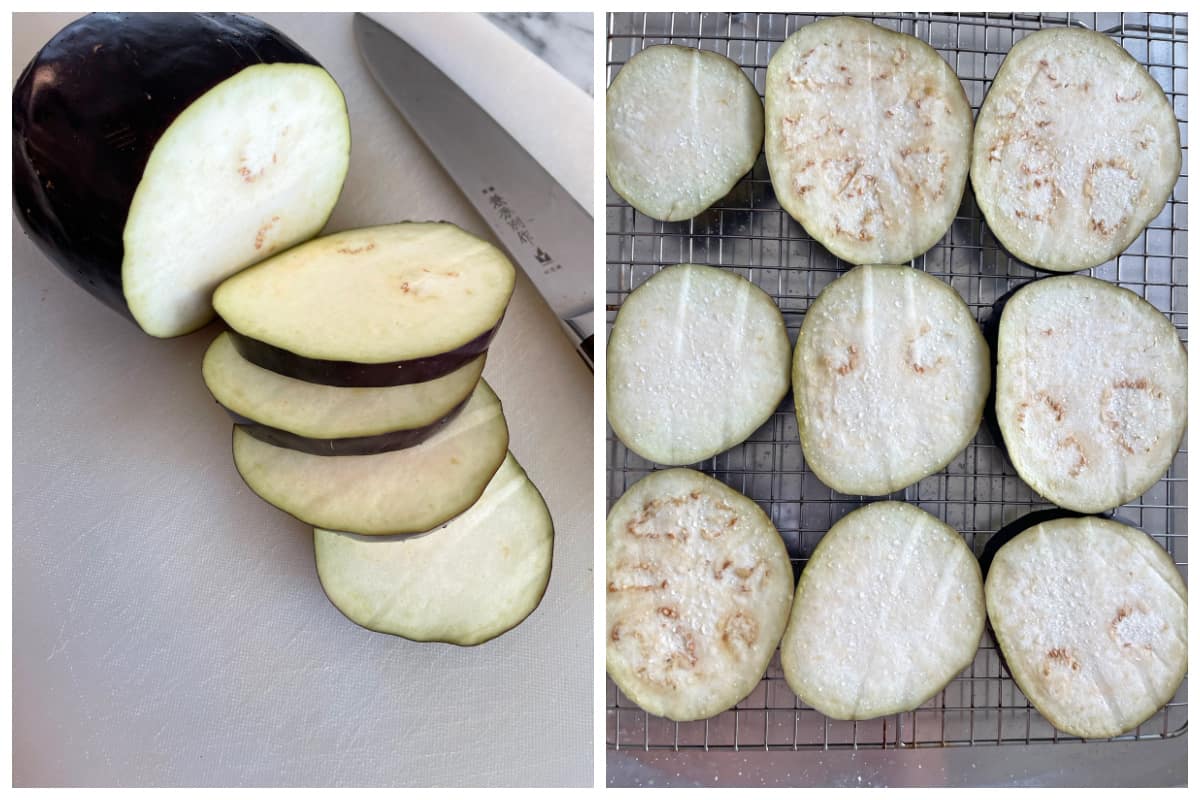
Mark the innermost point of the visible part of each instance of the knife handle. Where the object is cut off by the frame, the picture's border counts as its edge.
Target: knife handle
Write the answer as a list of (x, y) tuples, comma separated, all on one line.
[(585, 350), (581, 326)]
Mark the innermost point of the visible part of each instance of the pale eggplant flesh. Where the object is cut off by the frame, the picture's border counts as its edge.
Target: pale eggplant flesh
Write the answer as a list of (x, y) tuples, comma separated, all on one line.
[(698, 589), (332, 419), (465, 583), (399, 491), (1076, 150), (888, 609), (156, 154), (868, 139), (890, 377), (382, 306), (1091, 617), (697, 361), (1091, 391), (683, 127)]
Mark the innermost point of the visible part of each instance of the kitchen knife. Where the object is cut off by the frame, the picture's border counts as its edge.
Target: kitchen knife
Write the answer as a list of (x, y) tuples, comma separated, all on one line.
[(539, 223)]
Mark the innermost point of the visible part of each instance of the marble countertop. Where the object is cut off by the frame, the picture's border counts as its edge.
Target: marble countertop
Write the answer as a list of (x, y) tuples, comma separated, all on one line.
[(562, 40)]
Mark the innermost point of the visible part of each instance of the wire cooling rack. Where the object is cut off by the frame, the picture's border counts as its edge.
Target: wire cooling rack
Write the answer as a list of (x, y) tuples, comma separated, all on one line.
[(978, 492)]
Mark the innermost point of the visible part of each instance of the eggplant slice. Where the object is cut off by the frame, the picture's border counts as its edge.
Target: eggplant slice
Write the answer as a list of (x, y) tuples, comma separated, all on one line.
[(697, 360), (467, 582), (699, 584), (154, 155), (868, 139), (1091, 391), (890, 376), (683, 126), (401, 491), (888, 610), (1091, 616), (381, 306), (1076, 150), (319, 412)]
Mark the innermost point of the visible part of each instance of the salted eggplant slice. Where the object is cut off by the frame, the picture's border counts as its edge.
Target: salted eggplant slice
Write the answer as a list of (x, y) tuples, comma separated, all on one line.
[(683, 126), (154, 155), (381, 306), (888, 609), (868, 139), (1076, 150), (698, 589), (1091, 616), (890, 376), (697, 360), (471, 580), (1091, 391), (257, 396), (400, 491)]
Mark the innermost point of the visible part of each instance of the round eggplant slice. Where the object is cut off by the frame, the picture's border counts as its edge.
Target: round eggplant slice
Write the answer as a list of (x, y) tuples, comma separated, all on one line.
[(401, 491), (684, 125), (888, 610), (467, 582), (890, 377), (1091, 391), (154, 155), (699, 585), (1076, 150), (314, 411), (868, 139), (1091, 616), (383, 306), (697, 360)]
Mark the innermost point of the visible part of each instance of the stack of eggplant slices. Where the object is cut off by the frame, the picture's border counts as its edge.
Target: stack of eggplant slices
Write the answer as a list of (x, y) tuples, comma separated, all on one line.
[(869, 140), (352, 364)]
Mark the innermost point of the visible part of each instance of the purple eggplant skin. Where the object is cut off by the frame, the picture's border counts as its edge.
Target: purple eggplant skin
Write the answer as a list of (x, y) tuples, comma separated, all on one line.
[(357, 374), (88, 110), (350, 446)]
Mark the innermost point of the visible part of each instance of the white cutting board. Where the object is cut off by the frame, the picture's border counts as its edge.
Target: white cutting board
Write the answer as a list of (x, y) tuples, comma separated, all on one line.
[(168, 626)]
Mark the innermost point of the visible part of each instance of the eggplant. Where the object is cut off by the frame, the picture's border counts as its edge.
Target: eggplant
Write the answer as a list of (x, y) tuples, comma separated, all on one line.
[(467, 582), (889, 608), (682, 128), (697, 361), (1091, 617), (383, 306), (332, 420), (154, 155), (890, 377), (698, 589), (1091, 391), (868, 139), (399, 491), (1076, 150)]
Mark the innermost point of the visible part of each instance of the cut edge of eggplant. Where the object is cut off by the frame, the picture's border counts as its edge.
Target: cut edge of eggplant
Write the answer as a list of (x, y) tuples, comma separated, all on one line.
[(348, 446), (316, 415), (355, 374)]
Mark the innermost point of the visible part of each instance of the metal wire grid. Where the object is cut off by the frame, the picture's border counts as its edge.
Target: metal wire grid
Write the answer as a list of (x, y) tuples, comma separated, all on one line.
[(979, 492)]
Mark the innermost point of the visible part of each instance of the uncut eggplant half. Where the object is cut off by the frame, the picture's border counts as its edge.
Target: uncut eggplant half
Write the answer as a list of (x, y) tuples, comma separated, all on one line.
[(333, 420), (154, 155), (464, 583), (400, 491), (383, 306)]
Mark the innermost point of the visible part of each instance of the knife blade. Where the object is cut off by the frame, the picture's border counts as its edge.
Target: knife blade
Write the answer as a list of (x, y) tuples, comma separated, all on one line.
[(537, 221)]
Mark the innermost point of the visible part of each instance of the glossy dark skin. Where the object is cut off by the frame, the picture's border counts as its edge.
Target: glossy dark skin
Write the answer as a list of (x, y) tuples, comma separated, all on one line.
[(353, 373), (88, 110), (350, 446)]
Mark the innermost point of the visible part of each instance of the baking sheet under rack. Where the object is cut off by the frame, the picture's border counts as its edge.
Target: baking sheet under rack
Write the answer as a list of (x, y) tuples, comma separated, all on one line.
[(976, 494)]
